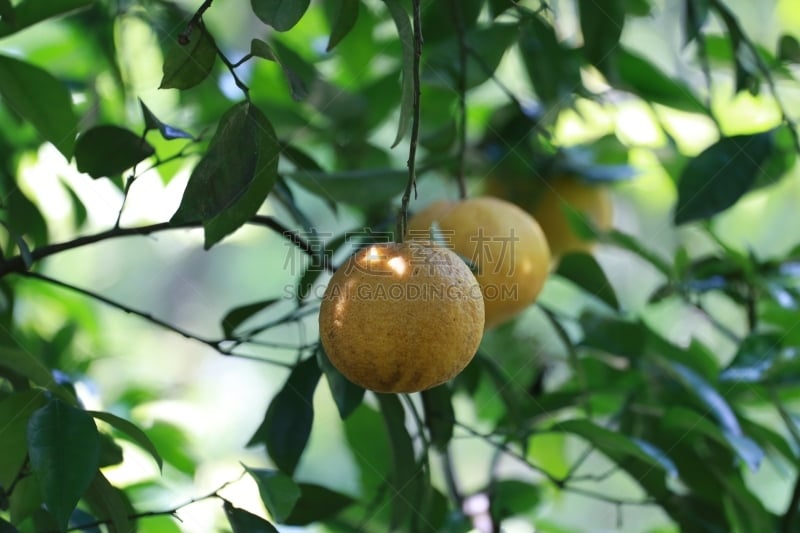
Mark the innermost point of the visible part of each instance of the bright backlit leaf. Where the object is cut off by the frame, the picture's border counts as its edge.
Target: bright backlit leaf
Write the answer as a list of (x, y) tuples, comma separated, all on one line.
[(278, 492)]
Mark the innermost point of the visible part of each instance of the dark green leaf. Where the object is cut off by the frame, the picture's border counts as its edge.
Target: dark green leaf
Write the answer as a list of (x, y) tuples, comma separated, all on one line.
[(280, 14), (601, 25), (238, 315), (405, 478), (287, 423), (110, 452), (316, 503), (755, 358), (708, 395), (613, 335), (299, 74), (437, 404), (789, 48), (553, 69), (25, 219), (25, 500), (511, 497), (152, 122), (228, 186), (278, 492), (6, 527), (29, 12), (695, 14), (63, 447), (109, 150), (132, 431), (642, 78), (769, 439), (41, 99), (367, 439), (25, 364), (15, 410), (406, 35), (362, 188), (242, 521), (110, 504), (498, 7), (696, 356), (7, 15), (347, 395), (637, 8), (346, 18), (584, 271), (717, 177), (186, 65)]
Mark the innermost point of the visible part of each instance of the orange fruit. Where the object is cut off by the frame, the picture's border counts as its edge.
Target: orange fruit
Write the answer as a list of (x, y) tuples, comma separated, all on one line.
[(401, 317), (504, 244)]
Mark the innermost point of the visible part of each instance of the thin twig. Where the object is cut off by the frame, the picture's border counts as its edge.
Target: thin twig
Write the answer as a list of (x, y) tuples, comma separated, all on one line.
[(412, 147), (216, 345), (17, 263), (461, 87)]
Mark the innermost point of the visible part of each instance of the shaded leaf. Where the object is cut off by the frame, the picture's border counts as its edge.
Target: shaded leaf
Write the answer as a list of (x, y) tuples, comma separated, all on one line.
[(511, 497), (299, 75), (232, 180), (642, 78), (15, 410), (110, 504), (405, 478), (708, 396), (280, 14), (366, 437), (27, 365), (695, 15), (41, 99), (238, 315), (316, 503), (363, 188), (439, 415), (242, 521), (601, 25), (287, 423), (584, 271), (29, 12), (613, 335), (346, 18), (168, 132), (186, 65), (7, 15), (629, 242), (406, 34), (277, 490), (789, 48), (721, 174), (63, 447), (132, 431), (109, 150), (346, 394)]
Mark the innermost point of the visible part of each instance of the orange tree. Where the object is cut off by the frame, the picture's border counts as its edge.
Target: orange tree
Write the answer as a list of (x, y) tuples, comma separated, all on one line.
[(652, 386)]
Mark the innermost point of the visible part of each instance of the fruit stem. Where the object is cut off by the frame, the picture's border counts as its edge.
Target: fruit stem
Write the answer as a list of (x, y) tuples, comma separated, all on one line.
[(461, 87), (402, 219)]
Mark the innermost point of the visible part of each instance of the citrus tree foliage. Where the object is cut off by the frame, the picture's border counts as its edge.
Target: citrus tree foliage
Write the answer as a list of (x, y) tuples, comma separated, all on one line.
[(318, 100)]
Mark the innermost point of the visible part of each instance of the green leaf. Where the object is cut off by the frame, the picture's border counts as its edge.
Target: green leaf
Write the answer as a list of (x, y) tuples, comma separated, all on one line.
[(280, 14), (646, 465), (347, 15), (613, 335), (29, 12), (168, 132), (437, 404), (346, 394), (721, 174), (406, 35), (316, 503), (232, 180), (188, 64), (132, 431), (6, 527), (277, 490), (363, 188), (584, 271), (367, 439), (63, 447), (788, 48), (41, 99), (511, 497), (553, 69), (172, 445), (695, 17), (7, 15), (242, 521), (238, 315), (405, 478), (755, 358), (299, 74), (601, 25), (15, 410), (110, 504), (109, 150), (642, 78), (628, 242), (27, 365), (287, 423)]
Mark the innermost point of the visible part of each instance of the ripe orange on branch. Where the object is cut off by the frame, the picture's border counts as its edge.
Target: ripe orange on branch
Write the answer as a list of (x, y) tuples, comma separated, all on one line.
[(401, 317), (504, 244)]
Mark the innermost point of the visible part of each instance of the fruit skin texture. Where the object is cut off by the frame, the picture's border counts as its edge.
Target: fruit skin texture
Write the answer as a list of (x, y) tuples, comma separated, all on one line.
[(502, 241), (401, 317), (544, 201)]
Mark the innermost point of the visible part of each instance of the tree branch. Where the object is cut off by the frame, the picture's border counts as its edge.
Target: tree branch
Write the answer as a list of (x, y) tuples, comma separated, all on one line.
[(16, 264)]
